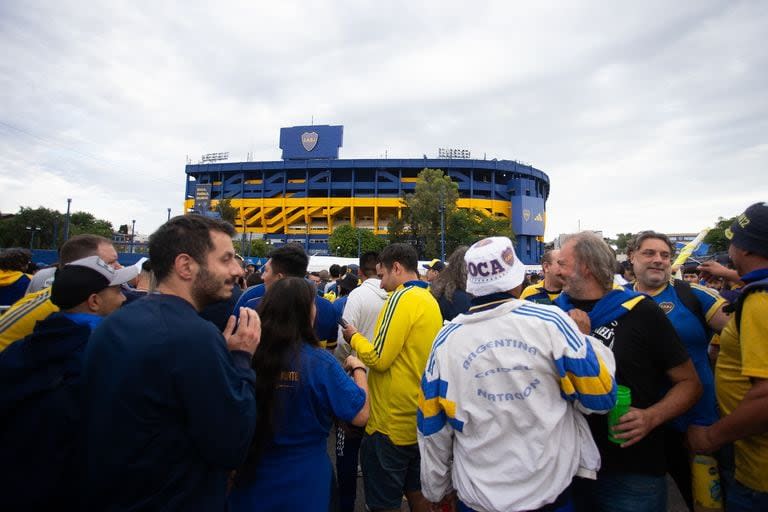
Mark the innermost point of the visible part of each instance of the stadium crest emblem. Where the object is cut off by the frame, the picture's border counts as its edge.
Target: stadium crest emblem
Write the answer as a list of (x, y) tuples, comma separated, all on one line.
[(667, 307), (526, 214), (309, 140), (508, 255)]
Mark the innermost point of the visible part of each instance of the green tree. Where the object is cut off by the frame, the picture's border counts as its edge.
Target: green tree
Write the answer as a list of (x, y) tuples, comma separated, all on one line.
[(14, 232), (465, 227), (123, 229), (716, 236), (82, 223), (226, 210), (621, 241), (259, 248), (435, 194), (346, 239)]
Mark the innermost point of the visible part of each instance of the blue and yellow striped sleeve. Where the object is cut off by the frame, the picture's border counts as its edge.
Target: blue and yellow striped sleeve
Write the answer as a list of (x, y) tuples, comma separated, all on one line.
[(711, 301), (435, 410), (587, 379)]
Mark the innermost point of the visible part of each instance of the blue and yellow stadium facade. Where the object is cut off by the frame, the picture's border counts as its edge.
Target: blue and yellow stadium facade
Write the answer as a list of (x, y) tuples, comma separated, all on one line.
[(308, 193)]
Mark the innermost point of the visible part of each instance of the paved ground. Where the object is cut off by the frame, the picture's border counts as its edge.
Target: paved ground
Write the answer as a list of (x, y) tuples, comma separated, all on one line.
[(676, 503)]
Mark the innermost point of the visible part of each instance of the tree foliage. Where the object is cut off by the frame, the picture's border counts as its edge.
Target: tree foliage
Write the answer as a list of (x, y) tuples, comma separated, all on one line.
[(259, 248), (346, 239), (14, 232), (465, 227), (226, 210), (716, 236), (420, 224), (621, 241)]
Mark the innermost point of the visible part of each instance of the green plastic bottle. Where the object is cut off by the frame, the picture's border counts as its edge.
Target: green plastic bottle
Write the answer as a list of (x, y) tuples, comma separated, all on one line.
[(623, 401)]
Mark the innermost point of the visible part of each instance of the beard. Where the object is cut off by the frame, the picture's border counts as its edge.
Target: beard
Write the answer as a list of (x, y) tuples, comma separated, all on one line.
[(208, 288), (575, 285)]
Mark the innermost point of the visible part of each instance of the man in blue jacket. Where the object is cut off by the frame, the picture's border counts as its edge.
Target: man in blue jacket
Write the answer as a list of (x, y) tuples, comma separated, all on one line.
[(40, 389), (170, 401)]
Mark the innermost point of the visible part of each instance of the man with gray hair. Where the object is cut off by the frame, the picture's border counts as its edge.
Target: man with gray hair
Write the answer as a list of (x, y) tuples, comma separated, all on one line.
[(650, 361)]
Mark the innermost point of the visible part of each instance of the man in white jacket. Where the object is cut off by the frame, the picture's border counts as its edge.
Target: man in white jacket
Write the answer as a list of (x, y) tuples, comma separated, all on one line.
[(500, 413)]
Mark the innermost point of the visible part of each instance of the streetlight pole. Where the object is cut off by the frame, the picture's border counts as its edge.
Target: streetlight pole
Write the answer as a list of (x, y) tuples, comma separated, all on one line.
[(32, 230), (66, 225), (169, 214), (442, 226), (133, 233), (337, 250)]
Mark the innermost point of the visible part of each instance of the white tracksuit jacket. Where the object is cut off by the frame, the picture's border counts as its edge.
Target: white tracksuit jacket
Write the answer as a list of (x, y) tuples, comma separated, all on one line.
[(498, 418)]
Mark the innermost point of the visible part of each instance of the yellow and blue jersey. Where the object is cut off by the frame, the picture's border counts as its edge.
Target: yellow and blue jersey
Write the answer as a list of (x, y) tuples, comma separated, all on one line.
[(538, 294), (695, 337), (405, 329)]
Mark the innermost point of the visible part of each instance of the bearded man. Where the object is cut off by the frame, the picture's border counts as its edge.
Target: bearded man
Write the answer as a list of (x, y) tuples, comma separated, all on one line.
[(170, 404)]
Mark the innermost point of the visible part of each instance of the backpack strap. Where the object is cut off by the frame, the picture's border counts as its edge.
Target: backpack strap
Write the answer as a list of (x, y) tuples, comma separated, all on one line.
[(689, 300), (754, 286)]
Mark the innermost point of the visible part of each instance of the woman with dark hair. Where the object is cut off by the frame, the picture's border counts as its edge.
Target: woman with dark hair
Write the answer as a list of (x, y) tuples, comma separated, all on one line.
[(450, 286), (300, 388)]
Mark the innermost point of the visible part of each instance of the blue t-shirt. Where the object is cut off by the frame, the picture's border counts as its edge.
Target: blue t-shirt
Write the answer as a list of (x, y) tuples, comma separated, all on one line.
[(294, 473), (695, 337)]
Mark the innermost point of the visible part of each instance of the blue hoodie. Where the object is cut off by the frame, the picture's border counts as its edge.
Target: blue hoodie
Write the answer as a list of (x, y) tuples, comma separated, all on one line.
[(40, 405)]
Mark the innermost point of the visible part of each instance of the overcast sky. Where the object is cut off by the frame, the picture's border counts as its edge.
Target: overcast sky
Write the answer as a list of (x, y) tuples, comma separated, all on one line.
[(644, 115)]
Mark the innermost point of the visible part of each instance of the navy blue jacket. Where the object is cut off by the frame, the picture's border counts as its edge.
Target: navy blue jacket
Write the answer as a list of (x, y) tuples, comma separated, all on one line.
[(41, 414), (169, 411)]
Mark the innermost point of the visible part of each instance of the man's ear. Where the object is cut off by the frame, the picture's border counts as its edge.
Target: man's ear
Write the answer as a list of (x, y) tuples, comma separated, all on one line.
[(93, 302), (185, 266)]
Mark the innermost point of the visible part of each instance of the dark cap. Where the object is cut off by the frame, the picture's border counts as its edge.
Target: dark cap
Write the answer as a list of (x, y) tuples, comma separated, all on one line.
[(436, 265), (77, 281), (349, 282), (750, 230)]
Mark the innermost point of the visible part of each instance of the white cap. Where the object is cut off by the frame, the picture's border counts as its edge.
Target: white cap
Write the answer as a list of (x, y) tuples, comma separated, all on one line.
[(492, 266), (114, 276)]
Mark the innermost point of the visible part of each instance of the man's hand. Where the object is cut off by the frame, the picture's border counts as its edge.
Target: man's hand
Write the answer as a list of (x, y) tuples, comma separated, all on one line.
[(351, 362), (634, 426), (248, 332), (348, 332), (699, 440), (582, 320), (711, 268)]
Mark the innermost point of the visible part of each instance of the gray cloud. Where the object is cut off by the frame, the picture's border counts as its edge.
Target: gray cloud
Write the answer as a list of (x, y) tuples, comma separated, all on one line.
[(648, 114)]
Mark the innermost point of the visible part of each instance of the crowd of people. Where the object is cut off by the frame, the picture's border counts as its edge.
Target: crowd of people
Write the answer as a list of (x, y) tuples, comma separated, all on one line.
[(197, 382)]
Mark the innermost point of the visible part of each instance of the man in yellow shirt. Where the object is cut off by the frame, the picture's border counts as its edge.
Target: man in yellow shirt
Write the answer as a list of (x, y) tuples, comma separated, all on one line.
[(546, 290), (406, 326), (741, 374), (20, 319)]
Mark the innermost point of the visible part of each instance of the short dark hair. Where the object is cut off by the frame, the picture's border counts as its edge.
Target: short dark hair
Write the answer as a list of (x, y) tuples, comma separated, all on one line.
[(185, 234), (368, 261), (81, 246), (642, 236), (290, 260), (547, 256), (334, 270), (15, 258), (404, 254)]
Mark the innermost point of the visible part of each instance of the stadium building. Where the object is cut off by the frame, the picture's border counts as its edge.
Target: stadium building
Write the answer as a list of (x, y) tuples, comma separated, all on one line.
[(308, 193)]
